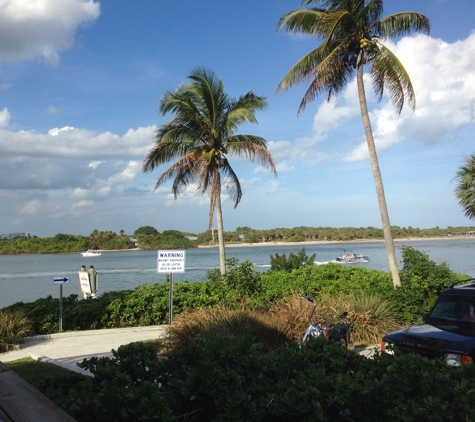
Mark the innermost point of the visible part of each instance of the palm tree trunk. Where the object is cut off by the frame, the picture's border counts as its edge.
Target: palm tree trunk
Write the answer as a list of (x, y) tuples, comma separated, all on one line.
[(378, 181), (219, 218)]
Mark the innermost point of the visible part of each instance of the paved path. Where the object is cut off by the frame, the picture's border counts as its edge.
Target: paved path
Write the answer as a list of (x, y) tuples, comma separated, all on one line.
[(66, 349)]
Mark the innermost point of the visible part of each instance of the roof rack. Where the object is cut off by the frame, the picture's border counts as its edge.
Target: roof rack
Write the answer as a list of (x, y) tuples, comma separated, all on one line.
[(470, 284)]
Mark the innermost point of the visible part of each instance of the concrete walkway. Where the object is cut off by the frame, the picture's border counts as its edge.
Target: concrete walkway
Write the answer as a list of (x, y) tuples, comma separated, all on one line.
[(67, 349)]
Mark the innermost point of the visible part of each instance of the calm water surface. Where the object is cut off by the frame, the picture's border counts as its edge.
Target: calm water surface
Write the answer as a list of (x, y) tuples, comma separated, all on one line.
[(29, 277)]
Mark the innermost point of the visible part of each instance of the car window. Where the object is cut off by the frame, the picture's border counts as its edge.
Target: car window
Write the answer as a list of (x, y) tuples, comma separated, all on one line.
[(452, 307)]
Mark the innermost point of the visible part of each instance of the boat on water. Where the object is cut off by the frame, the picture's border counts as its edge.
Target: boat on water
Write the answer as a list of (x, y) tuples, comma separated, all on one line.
[(90, 252), (352, 258)]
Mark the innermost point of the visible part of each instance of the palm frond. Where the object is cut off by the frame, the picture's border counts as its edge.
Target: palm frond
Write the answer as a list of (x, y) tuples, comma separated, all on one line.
[(231, 182), (335, 24), (387, 71), (210, 94), (178, 102), (374, 10), (403, 23), (465, 189), (332, 74), (183, 172), (252, 147), (302, 68), (301, 21)]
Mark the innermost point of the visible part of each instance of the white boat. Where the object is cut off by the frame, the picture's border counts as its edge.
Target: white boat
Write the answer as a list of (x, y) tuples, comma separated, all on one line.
[(352, 258), (90, 252)]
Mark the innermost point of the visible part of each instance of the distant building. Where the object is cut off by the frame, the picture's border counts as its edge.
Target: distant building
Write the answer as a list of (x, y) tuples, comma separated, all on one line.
[(11, 236)]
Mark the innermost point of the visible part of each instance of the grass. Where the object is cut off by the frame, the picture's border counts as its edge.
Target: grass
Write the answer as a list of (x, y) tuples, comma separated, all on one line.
[(13, 327), (370, 318), (34, 372)]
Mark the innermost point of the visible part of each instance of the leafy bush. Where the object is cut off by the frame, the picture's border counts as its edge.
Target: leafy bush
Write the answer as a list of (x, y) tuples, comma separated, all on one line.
[(282, 263), (236, 378), (14, 325), (422, 280)]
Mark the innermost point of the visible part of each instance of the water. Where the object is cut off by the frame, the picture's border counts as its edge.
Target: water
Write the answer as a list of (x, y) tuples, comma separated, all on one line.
[(29, 277)]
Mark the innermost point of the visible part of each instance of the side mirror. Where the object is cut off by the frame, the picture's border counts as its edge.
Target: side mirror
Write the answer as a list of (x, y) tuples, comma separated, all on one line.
[(425, 317)]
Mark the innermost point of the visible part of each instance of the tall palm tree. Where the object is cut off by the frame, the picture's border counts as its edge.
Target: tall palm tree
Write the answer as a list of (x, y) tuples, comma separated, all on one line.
[(351, 31), (465, 189), (200, 137)]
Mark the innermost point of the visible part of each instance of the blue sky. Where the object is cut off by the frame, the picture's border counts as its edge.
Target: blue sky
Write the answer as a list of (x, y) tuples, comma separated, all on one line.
[(80, 81)]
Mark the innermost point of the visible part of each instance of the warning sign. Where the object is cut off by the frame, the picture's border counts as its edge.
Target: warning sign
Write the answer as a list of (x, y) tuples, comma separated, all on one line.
[(171, 262)]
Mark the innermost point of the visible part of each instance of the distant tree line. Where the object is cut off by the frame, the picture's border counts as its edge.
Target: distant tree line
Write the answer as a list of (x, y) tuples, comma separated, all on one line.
[(302, 234), (148, 237)]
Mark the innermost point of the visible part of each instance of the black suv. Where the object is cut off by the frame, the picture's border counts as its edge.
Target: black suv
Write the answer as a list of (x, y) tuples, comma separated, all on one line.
[(448, 330)]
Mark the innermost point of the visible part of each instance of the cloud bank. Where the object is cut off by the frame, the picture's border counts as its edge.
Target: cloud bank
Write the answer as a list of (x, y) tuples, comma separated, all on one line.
[(41, 28)]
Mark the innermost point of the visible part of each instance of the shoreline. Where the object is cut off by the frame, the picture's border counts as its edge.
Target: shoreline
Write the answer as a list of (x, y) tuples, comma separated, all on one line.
[(328, 242), (271, 244)]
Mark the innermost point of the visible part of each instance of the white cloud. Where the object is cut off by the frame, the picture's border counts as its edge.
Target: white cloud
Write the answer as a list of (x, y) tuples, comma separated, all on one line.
[(331, 115), (443, 76), (52, 110), (95, 164), (128, 174), (249, 184), (41, 28), (4, 118), (31, 207), (188, 197), (81, 207), (56, 131), (284, 167), (70, 142), (272, 186), (79, 193)]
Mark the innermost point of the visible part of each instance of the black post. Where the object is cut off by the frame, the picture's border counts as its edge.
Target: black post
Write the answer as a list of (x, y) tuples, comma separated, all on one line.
[(60, 307), (171, 299)]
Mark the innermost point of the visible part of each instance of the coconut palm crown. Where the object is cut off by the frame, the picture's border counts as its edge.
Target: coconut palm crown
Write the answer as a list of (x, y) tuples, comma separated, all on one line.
[(200, 138), (352, 31)]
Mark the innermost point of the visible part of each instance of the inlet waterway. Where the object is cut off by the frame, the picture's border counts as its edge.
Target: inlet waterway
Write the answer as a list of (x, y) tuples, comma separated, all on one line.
[(25, 278)]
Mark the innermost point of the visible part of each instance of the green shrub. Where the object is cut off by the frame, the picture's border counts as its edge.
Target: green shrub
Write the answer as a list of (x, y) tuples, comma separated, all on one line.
[(239, 281), (282, 263), (422, 280), (229, 378)]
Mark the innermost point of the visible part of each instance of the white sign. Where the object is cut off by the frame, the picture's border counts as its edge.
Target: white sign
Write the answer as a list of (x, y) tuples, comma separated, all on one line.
[(84, 282), (171, 262), (60, 280)]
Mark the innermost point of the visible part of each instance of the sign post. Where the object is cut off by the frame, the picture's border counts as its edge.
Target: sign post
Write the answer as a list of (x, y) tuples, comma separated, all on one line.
[(60, 281), (171, 262)]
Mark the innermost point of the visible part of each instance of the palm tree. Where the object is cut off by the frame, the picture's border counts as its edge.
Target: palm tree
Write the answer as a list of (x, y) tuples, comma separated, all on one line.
[(465, 189), (200, 137), (351, 31)]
